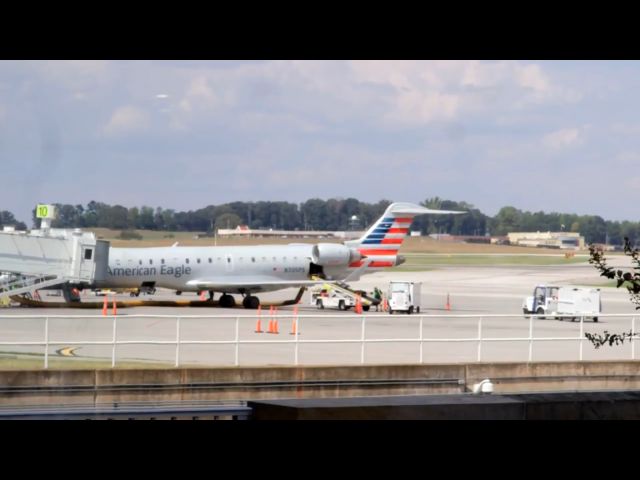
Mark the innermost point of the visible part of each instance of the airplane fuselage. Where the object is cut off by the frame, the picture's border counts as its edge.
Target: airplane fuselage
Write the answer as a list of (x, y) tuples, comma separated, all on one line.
[(174, 267)]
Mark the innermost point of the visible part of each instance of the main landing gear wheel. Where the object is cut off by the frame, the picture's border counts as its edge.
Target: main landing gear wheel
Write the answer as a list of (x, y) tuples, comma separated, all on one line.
[(251, 302), (227, 301)]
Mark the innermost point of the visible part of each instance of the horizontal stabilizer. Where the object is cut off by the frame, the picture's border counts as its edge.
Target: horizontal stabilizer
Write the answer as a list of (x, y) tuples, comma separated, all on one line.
[(402, 208)]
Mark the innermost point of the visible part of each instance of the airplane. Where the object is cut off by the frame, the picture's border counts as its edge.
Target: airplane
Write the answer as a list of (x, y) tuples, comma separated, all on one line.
[(247, 270)]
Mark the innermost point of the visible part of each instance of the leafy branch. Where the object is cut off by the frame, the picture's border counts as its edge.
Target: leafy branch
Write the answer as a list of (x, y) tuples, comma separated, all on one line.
[(608, 338), (629, 280)]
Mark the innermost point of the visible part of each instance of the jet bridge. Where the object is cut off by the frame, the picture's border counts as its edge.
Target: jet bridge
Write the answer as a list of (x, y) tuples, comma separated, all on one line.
[(37, 259)]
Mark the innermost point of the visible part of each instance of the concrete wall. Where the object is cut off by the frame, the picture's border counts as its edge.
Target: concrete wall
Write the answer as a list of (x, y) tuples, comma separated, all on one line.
[(107, 386)]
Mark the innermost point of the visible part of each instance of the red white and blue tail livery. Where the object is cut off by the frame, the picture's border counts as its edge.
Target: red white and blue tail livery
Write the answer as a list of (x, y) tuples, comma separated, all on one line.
[(380, 244)]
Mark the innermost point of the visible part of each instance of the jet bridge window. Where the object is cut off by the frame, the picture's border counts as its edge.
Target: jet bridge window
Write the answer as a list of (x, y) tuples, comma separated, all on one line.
[(87, 254)]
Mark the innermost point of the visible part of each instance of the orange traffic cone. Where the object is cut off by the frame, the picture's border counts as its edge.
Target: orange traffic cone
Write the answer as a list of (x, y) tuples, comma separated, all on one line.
[(385, 305), (270, 328), (202, 296), (105, 306), (358, 308), (448, 305), (258, 326), (275, 323), (115, 309), (294, 326)]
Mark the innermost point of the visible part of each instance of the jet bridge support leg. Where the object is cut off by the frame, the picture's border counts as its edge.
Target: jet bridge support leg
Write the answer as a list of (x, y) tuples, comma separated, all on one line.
[(70, 294)]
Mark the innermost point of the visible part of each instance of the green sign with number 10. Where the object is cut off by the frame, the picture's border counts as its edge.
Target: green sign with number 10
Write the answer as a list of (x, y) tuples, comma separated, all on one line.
[(44, 211)]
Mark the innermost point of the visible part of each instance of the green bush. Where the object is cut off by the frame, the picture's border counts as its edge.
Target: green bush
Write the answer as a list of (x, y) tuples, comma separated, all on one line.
[(129, 235)]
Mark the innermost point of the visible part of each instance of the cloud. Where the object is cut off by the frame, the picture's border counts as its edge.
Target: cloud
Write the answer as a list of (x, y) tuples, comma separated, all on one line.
[(567, 137), (199, 94), (632, 129), (425, 107), (624, 160), (75, 74), (633, 183), (125, 120), (422, 92), (531, 76)]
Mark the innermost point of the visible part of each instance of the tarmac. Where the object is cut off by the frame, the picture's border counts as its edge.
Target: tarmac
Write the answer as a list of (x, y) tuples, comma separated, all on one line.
[(477, 290)]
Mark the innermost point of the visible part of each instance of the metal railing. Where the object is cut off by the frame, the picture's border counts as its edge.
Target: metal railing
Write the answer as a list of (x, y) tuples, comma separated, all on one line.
[(296, 341)]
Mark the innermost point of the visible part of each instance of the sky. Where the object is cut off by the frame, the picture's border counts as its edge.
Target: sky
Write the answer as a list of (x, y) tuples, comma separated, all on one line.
[(561, 136)]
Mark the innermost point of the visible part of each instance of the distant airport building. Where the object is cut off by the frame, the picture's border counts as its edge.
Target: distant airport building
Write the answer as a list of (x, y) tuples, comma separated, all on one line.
[(564, 240), (245, 231), (445, 237)]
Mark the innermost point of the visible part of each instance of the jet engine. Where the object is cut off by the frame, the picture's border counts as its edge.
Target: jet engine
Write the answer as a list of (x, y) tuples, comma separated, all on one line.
[(333, 255)]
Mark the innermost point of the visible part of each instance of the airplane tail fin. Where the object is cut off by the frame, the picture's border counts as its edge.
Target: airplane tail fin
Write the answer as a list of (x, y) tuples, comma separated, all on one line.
[(380, 244)]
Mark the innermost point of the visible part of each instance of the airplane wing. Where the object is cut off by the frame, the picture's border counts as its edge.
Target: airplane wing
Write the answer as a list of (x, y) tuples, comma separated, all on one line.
[(254, 283)]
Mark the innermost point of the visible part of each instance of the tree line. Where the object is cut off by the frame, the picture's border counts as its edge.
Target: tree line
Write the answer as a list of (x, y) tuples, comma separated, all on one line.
[(332, 214), (8, 219)]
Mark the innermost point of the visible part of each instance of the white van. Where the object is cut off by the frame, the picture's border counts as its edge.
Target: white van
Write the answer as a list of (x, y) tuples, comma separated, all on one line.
[(563, 302)]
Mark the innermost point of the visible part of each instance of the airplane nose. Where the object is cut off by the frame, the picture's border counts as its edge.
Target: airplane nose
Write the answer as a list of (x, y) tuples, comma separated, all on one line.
[(400, 260)]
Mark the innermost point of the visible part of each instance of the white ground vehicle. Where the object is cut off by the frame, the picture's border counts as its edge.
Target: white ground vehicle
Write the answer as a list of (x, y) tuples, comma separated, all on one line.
[(333, 296), (564, 302), (404, 297), (101, 292)]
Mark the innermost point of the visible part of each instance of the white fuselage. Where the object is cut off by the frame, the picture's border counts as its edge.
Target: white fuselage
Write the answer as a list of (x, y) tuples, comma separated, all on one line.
[(174, 267)]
